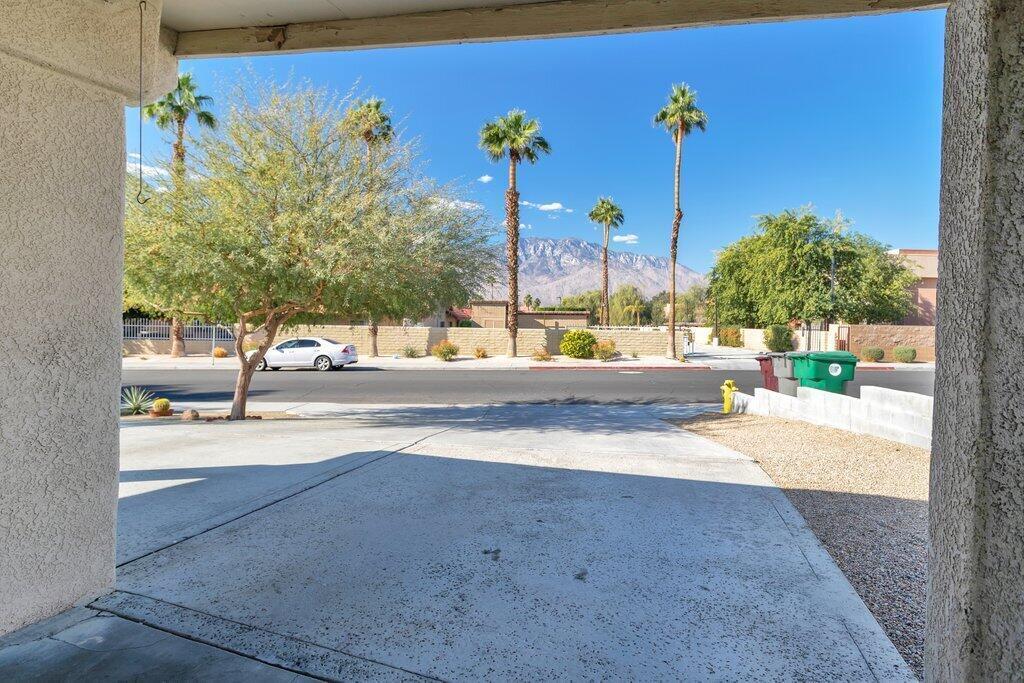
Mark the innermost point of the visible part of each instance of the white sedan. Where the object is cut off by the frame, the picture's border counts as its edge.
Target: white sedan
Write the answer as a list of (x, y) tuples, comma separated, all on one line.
[(309, 352)]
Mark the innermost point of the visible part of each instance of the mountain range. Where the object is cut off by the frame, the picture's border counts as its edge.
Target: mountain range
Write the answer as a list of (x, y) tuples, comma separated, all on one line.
[(553, 268)]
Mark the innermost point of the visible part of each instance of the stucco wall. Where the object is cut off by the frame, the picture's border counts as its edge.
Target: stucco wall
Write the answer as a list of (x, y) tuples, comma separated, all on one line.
[(66, 69), (888, 337), (62, 174), (976, 558)]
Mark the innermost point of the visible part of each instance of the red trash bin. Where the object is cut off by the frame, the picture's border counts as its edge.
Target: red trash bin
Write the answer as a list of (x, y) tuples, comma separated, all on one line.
[(768, 378)]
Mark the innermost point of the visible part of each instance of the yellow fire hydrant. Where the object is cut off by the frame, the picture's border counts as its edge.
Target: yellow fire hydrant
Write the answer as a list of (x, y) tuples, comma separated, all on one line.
[(727, 390)]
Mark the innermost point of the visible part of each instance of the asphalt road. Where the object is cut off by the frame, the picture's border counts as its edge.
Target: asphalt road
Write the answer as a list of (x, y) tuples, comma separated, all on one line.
[(480, 386)]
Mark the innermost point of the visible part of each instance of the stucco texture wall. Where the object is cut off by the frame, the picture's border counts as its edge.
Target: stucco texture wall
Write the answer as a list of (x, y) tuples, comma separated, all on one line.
[(61, 241), (976, 557)]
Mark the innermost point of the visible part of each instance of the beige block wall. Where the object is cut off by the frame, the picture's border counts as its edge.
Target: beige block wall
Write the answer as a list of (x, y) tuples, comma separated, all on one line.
[(494, 340), (640, 342), (888, 337), (162, 347), (390, 340)]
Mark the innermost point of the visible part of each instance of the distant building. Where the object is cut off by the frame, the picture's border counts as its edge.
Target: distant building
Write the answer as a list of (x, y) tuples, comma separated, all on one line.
[(925, 263), (492, 314)]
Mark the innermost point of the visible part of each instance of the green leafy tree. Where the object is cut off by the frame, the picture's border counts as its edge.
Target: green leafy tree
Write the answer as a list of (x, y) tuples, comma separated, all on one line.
[(589, 301), (680, 116), (607, 214), (172, 112), (783, 272), (622, 300), (518, 138), (268, 229)]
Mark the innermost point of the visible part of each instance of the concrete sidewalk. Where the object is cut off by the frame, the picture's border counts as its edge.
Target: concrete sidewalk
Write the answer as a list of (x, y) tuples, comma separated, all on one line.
[(503, 542)]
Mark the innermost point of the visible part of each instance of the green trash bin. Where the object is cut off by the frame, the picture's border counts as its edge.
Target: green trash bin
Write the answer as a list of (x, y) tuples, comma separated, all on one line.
[(825, 370)]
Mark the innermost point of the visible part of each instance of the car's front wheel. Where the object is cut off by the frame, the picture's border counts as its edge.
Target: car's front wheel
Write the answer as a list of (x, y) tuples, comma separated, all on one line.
[(323, 363)]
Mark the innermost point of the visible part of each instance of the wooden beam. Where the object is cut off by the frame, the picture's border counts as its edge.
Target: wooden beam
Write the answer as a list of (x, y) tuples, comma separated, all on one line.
[(515, 22)]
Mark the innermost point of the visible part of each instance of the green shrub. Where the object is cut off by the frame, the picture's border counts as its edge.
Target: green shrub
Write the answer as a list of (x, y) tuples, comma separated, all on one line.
[(778, 338), (904, 354), (578, 344), (136, 401), (542, 355), (727, 336), (605, 350), (872, 354), (161, 405), (444, 350), (481, 352), (410, 352)]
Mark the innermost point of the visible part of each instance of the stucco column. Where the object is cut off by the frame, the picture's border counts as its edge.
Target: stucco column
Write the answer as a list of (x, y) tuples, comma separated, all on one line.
[(66, 73), (976, 561)]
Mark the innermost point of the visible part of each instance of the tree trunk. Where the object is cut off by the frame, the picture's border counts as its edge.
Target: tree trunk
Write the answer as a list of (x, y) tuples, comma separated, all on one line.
[(178, 152), (373, 338), (177, 338), (512, 254), (674, 247), (604, 278), (248, 366)]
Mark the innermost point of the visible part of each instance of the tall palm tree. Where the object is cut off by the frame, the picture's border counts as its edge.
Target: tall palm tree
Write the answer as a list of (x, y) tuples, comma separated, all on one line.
[(517, 137), (680, 116), (368, 121), (606, 213), (173, 112)]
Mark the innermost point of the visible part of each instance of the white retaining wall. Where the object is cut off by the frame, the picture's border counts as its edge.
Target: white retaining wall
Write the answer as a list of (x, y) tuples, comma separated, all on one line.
[(900, 416)]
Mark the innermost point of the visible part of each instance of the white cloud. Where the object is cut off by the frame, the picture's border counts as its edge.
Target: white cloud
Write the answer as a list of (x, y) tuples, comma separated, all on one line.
[(148, 172), (485, 178), (626, 239), (552, 206), (460, 204), (525, 226)]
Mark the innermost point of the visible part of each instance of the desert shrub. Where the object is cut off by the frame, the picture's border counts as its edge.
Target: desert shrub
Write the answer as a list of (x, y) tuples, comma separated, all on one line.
[(578, 344), (410, 352), (481, 352), (904, 354), (778, 338), (136, 400), (161, 405), (727, 336), (872, 354), (542, 355), (220, 352), (605, 350), (634, 354), (444, 350)]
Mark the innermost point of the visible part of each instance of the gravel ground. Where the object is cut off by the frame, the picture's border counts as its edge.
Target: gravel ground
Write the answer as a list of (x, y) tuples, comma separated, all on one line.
[(865, 498)]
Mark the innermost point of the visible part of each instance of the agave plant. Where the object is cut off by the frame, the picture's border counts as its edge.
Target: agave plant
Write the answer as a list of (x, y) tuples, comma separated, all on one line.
[(136, 401)]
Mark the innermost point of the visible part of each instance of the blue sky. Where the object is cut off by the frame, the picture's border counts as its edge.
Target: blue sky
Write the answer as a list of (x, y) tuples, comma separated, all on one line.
[(842, 114)]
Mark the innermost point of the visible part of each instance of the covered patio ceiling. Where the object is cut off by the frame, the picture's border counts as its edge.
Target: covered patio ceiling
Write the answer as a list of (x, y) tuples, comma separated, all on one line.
[(204, 28)]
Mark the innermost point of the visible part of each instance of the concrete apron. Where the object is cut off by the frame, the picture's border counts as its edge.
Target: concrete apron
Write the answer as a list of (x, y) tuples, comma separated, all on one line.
[(506, 542)]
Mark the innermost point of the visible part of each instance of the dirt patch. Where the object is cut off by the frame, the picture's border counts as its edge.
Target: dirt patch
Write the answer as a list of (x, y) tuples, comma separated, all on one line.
[(212, 416), (865, 498)]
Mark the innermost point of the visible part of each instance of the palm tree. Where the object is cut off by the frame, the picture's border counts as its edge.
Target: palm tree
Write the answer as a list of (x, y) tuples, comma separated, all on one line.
[(174, 111), (634, 309), (606, 213), (518, 138), (679, 117), (368, 121)]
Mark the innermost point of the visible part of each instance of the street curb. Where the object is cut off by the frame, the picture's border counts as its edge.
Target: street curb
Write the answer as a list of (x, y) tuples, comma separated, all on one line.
[(620, 368)]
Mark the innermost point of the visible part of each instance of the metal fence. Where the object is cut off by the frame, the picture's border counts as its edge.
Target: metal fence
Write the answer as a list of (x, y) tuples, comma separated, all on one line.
[(147, 328)]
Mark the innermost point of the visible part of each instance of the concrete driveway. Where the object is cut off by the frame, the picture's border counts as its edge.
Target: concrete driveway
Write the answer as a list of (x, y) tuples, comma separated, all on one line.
[(511, 542)]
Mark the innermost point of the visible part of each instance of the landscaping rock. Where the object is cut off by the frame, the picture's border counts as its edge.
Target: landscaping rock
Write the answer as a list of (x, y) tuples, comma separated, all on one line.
[(189, 415)]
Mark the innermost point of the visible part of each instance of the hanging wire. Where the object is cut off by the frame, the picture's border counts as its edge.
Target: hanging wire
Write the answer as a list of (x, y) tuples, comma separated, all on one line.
[(142, 9)]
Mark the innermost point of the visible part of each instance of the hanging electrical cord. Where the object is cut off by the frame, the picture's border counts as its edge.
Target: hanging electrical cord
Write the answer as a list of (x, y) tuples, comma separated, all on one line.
[(142, 9)]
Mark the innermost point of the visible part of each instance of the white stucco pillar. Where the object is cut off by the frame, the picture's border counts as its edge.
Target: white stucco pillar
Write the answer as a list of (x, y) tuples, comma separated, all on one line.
[(67, 69), (976, 562)]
